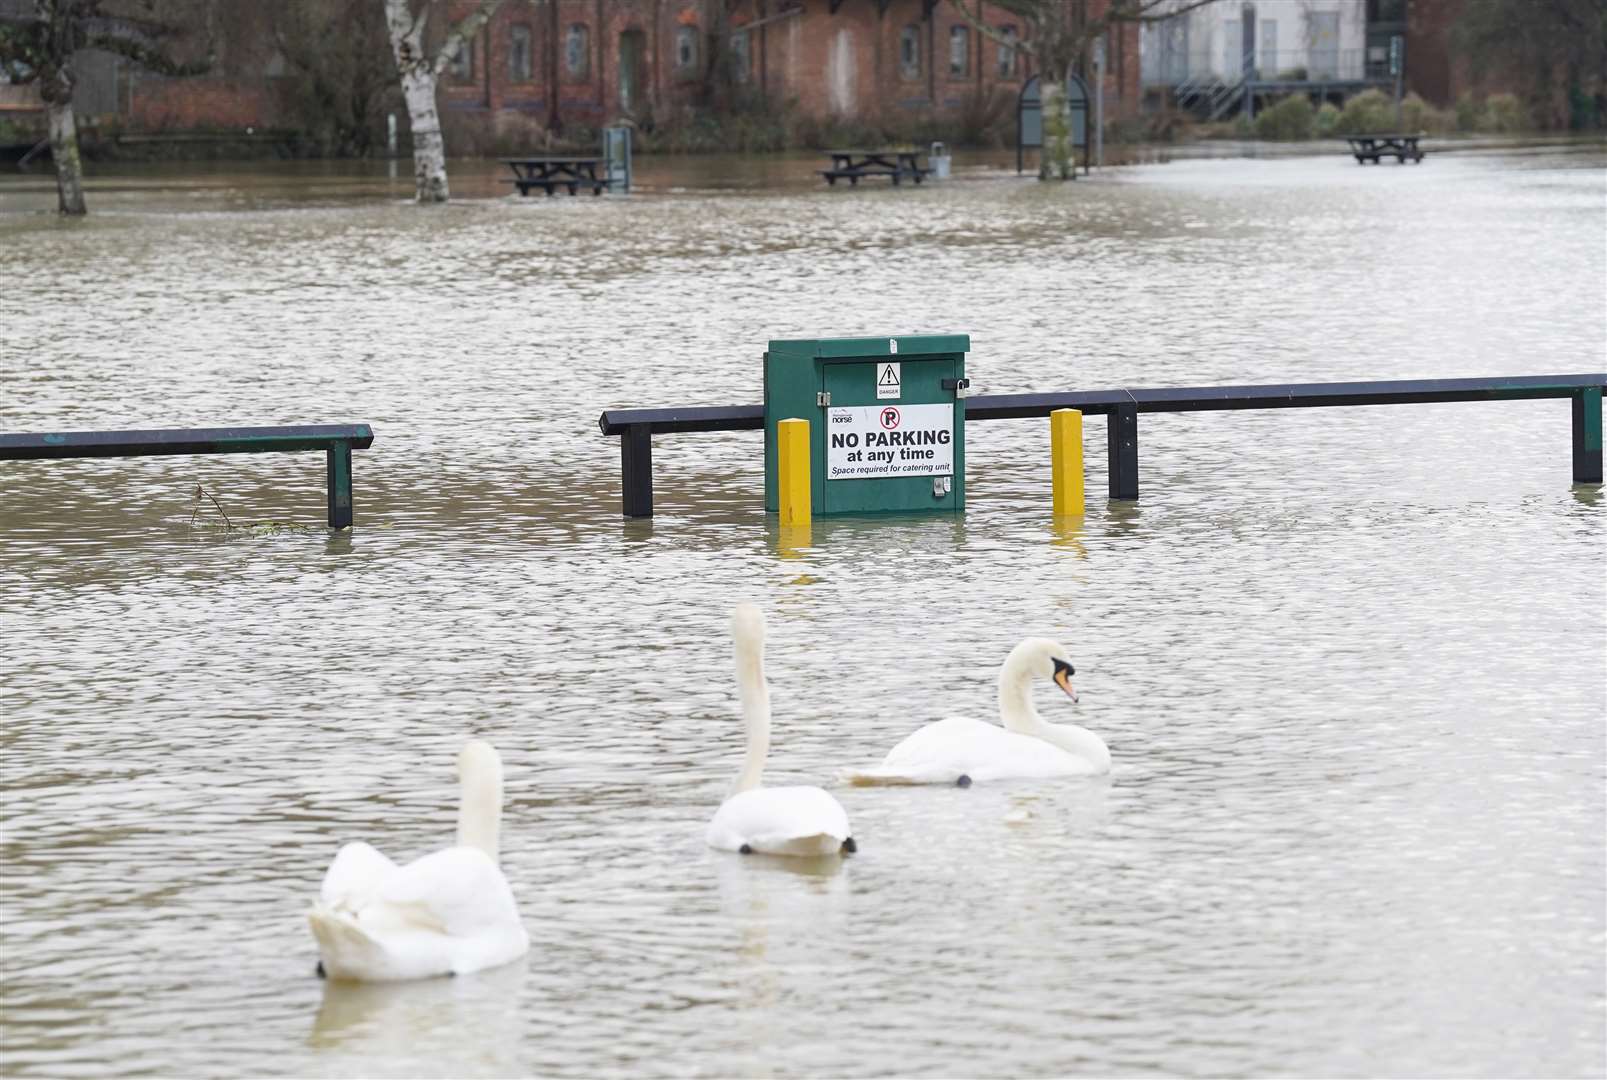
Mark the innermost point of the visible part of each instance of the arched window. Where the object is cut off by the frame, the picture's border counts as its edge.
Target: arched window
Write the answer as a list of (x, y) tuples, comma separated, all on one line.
[(685, 48), (519, 56), (577, 50), (909, 52), (1007, 53), (462, 67), (959, 51)]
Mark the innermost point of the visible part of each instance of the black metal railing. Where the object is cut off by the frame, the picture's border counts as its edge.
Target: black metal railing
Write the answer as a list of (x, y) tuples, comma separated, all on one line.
[(636, 427), (336, 440)]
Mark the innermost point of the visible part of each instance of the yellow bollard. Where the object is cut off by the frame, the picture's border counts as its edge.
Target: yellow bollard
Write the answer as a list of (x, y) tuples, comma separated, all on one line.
[(1065, 452), (792, 470)]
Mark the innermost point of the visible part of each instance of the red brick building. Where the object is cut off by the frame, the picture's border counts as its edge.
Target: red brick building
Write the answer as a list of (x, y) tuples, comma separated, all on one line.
[(593, 61), (586, 63)]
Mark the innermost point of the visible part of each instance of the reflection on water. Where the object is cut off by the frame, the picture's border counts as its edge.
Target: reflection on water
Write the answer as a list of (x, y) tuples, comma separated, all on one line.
[(1349, 662), (1068, 533), (401, 1028)]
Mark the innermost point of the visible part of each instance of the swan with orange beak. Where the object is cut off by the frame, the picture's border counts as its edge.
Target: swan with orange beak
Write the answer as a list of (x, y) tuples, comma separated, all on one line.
[(962, 751)]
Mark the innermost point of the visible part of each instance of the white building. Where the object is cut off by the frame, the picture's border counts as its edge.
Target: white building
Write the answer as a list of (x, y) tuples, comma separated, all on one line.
[(1265, 41)]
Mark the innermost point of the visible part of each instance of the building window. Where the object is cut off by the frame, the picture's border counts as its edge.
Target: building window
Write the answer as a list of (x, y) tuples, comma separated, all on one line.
[(1007, 52), (685, 48), (909, 52), (577, 50), (741, 56), (959, 50), (462, 66), (519, 55)]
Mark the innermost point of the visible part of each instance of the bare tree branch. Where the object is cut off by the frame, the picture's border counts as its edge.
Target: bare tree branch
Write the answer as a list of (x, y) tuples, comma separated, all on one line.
[(147, 56), (1052, 36), (464, 30), (989, 32)]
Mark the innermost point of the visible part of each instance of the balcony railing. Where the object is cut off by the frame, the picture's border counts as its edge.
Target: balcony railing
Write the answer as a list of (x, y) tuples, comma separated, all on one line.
[(1304, 65)]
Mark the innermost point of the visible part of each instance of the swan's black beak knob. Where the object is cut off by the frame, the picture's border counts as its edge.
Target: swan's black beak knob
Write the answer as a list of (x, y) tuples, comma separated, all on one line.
[(1063, 674)]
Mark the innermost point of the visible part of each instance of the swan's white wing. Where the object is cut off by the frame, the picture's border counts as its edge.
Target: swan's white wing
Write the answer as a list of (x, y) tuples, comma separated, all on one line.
[(458, 891), (449, 912), (781, 821), (358, 869), (942, 752)]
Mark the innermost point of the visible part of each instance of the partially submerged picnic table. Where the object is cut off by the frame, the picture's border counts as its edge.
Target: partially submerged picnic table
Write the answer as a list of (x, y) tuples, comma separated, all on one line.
[(854, 165), (1373, 147), (551, 171)]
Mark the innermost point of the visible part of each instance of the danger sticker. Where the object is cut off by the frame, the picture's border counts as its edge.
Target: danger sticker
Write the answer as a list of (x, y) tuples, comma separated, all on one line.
[(889, 440), (887, 381)]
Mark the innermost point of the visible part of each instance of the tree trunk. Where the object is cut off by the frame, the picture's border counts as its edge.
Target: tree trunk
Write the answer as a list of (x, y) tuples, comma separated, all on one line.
[(418, 90), (429, 149), (64, 150), (1057, 162)]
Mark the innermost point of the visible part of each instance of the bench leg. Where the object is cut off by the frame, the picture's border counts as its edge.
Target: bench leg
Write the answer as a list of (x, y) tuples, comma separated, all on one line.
[(1121, 452), (338, 476), (1587, 436), (636, 470)]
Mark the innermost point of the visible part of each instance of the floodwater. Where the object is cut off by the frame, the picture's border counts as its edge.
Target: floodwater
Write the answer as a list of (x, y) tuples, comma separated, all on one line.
[(1351, 663)]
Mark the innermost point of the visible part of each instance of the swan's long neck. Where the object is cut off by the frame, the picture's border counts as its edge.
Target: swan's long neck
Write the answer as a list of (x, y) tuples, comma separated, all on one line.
[(755, 697), (1016, 710), (1017, 713), (480, 803)]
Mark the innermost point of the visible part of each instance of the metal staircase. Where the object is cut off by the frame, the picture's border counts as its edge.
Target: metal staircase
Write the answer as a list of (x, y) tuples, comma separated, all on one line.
[(1209, 96)]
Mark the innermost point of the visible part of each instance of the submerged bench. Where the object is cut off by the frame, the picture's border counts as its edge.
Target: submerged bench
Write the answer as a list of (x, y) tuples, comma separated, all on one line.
[(856, 165), (552, 171), (636, 427), (336, 440), (1372, 147)]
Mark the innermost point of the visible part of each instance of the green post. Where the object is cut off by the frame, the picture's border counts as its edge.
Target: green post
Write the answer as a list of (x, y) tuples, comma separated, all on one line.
[(338, 467), (1587, 436)]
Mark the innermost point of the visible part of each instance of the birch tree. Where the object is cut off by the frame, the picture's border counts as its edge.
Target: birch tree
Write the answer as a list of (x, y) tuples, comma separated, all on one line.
[(42, 48), (420, 72), (1058, 35)]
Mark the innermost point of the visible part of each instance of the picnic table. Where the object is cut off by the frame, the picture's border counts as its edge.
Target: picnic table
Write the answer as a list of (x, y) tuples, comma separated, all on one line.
[(557, 171), (853, 165), (1373, 147)]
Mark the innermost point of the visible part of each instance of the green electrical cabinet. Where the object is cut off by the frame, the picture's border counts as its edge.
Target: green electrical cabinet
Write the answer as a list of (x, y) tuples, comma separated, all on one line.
[(886, 421)]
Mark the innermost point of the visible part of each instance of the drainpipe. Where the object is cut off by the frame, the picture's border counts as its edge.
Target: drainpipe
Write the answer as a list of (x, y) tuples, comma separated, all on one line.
[(602, 80), (554, 121), (764, 59)]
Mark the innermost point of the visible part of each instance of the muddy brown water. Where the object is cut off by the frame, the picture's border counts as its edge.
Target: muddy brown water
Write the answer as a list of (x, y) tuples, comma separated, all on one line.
[(1350, 662)]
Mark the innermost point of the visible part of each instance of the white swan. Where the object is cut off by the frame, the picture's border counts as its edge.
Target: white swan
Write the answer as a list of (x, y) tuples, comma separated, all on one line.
[(772, 821), (450, 913), (958, 750)]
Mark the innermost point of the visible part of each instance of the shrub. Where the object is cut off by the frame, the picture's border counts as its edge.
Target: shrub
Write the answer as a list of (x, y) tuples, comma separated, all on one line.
[(1419, 115), (1367, 112), (1291, 118), (1505, 114), (1469, 113), (1327, 119)]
